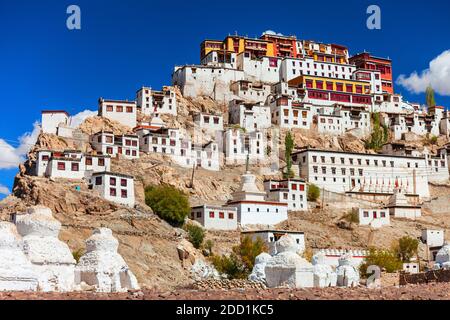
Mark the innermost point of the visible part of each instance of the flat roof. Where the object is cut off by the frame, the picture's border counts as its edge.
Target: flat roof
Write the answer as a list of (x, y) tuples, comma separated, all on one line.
[(269, 203), (273, 231), (55, 111), (356, 153), (284, 180), (214, 207), (117, 101), (112, 174)]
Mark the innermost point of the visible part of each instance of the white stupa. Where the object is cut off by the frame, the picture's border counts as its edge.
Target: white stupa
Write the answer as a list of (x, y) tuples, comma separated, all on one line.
[(51, 258), (324, 276), (347, 273), (287, 268), (248, 190), (399, 206), (443, 257), (258, 273), (251, 204), (102, 266), (16, 271)]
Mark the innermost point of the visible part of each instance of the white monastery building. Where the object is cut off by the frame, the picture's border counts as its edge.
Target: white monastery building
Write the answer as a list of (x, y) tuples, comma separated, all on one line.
[(290, 191), (209, 122), (376, 218), (115, 187), (121, 111), (433, 238), (238, 144), (339, 171), (182, 151), (287, 113), (52, 120), (215, 217), (126, 146), (69, 164), (250, 116), (152, 102)]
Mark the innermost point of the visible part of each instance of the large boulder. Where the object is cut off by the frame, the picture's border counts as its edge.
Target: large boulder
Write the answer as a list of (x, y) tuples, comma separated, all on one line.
[(51, 258), (287, 268), (102, 266), (16, 271), (347, 273), (258, 273)]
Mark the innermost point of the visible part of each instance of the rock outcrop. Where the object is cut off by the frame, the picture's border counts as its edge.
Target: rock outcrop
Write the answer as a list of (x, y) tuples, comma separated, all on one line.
[(347, 274), (102, 266), (51, 258), (287, 268), (16, 271)]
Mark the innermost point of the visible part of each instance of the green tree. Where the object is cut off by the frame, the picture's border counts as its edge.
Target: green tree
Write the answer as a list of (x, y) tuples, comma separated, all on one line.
[(385, 259), (248, 250), (352, 216), (289, 147), (196, 235), (407, 248), (239, 264), (230, 265), (431, 102), (169, 203), (379, 135), (313, 192)]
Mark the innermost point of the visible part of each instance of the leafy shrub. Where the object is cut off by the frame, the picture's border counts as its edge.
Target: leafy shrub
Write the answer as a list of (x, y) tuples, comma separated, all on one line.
[(209, 244), (308, 254), (169, 203), (385, 259), (406, 248), (352, 217), (248, 250), (313, 192), (230, 265), (239, 264), (77, 254), (196, 235), (289, 147), (379, 135)]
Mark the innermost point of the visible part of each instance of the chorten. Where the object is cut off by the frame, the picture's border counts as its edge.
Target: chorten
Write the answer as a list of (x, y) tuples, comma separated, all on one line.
[(51, 258), (16, 271), (102, 266)]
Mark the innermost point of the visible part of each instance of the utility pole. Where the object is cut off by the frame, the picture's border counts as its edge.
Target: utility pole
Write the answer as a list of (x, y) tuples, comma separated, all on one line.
[(192, 177), (323, 199)]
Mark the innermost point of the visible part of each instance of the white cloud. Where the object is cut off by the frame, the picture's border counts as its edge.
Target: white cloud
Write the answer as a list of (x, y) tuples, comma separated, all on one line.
[(437, 75), (11, 156), (78, 119), (13, 153), (4, 190)]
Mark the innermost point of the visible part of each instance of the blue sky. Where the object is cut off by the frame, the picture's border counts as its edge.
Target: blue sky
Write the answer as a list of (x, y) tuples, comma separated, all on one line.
[(126, 44)]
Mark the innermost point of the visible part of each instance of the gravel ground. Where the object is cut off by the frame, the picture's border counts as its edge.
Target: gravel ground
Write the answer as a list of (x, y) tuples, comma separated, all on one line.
[(433, 291)]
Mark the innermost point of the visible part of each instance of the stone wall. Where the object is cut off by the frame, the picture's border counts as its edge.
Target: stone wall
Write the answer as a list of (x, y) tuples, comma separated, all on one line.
[(425, 277)]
